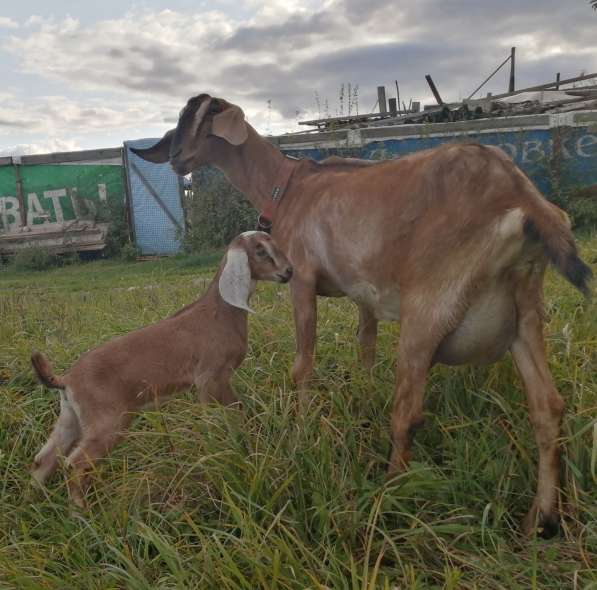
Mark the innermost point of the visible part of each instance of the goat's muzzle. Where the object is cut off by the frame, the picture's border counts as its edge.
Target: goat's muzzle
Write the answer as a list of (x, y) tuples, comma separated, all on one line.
[(285, 276)]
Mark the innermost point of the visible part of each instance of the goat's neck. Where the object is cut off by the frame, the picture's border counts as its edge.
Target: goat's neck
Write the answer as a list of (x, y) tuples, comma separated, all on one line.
[(252, 167)]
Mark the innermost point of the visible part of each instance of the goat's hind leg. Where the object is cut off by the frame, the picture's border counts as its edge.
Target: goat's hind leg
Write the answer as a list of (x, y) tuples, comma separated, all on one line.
[(546, 408), (65, 434), (97, 441)]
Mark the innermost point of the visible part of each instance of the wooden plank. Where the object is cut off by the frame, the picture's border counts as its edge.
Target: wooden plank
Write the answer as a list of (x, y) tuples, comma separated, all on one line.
[(438, 98), (470, 126), (489, 78), (512, 69), (346, 118), (322, 136), (20, 197), (128, 194), (155, 195), (79, 156), (543, 86), (393, 107), (381, 100)]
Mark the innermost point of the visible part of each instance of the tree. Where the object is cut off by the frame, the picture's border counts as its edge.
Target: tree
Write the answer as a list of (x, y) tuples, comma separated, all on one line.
[(593, 4)]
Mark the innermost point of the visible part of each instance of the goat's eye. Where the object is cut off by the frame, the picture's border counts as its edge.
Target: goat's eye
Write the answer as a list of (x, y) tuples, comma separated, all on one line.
[(263, 254)]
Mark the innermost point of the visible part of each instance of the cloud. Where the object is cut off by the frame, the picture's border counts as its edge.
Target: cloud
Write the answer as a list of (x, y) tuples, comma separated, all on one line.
[(59, 115), (8, 23), (43, 147), (149, 63)]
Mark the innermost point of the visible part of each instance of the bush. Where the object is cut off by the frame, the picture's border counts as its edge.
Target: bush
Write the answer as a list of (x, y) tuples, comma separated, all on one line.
[(582, 207), (35, 258), (216, 212), (117, 237), (129, 252)]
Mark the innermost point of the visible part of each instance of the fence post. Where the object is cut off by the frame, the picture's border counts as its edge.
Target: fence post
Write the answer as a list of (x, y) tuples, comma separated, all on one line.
[(19, 193)]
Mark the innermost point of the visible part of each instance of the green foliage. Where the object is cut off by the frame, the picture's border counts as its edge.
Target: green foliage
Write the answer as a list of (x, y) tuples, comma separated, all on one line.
[(117, 238), (201, 496), (581, 205), (216, 212), (35, 258), (128, 252)]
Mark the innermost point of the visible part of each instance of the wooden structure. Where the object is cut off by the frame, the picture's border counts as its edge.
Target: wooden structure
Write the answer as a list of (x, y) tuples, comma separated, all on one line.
[(55, 200), (575, 98)]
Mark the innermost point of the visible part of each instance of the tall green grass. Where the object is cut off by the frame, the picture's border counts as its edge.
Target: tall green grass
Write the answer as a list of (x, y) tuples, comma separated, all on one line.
[(208, 497)]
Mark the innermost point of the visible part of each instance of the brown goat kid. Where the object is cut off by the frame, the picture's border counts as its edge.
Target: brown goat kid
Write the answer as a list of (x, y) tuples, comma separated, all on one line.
[(202, 344), (452, 241)]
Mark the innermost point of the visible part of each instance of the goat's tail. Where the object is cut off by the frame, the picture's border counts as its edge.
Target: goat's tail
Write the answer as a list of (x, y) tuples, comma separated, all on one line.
[(550, 226), (43, 370)]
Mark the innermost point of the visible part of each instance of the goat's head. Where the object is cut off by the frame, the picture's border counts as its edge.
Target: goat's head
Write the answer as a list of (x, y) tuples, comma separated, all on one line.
[(252, 256), (203, 125)]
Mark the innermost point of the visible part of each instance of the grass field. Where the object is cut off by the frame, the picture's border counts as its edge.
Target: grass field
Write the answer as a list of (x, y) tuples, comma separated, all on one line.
[(207, 497)]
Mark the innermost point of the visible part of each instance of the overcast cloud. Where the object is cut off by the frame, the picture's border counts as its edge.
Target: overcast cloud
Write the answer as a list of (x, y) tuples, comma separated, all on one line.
[(87, 80)]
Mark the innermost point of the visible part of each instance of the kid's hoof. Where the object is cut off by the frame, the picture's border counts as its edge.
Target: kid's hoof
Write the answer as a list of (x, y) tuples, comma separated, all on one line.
[(543, 525)]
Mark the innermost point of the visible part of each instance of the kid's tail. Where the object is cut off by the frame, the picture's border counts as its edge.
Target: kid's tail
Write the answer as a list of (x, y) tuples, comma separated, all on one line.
[(43, 370)]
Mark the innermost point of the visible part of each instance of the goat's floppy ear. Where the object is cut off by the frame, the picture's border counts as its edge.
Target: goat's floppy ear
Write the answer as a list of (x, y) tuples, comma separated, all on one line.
[(235, 281), (159, 152), (230, 125)]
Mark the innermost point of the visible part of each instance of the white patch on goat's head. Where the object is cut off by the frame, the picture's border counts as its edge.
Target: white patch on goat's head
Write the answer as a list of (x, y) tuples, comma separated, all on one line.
[(235, 284)]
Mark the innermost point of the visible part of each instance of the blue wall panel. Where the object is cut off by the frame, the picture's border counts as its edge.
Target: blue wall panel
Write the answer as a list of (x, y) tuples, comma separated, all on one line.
[(531, 149), (155, 233)]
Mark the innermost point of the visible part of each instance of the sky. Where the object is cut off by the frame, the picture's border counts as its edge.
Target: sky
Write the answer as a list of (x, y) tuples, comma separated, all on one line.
[(83, 75)]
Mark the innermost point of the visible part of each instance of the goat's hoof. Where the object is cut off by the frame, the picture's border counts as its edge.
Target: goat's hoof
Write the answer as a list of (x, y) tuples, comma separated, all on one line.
[(76, 498), (543, 525), (79, 502)]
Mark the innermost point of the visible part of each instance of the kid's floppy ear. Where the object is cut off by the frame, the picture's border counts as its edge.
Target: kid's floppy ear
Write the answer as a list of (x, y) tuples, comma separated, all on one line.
[(230, 125), (235, 281)]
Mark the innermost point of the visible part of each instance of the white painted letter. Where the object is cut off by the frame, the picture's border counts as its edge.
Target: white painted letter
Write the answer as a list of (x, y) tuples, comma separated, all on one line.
[(584, 142), (9, 208), (35, 210), (55, 196), (528, 147)]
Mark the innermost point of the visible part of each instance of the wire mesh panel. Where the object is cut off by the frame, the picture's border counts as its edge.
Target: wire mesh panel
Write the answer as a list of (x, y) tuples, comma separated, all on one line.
[(155, 202)]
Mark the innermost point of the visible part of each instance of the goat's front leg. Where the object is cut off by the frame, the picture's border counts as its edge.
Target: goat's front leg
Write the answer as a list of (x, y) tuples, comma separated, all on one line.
[(217, 390), (367, 335), (304, 305), (415, 358)]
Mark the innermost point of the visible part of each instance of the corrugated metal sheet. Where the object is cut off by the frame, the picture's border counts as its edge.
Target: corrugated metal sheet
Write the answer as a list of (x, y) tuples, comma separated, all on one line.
[(158, 223)]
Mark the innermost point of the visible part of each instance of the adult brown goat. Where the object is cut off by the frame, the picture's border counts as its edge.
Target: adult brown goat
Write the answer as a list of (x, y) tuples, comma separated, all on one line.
[(454, 241)]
